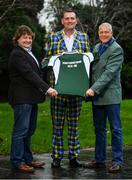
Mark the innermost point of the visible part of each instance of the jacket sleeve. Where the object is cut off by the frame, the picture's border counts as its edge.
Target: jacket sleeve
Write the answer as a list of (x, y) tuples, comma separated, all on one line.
[(26, 71), (50, 45), (87, 44), (113, 66)]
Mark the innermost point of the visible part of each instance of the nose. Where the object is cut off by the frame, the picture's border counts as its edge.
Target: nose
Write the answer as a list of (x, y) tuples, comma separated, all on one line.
[(103, 33), (69, 20)]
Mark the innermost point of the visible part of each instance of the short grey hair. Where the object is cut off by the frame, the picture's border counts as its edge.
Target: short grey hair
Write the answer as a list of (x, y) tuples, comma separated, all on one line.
[(106, 24)]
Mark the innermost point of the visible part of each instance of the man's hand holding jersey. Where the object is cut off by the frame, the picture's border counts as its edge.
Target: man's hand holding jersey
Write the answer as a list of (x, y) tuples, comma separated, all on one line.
[(52, 92)]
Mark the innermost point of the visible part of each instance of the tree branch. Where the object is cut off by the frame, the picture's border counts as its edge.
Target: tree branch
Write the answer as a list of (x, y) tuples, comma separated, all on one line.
[(8, 9)]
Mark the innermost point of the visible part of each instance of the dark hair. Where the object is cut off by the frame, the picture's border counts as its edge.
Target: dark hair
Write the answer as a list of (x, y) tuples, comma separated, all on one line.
[(22, 30), (66, 11)]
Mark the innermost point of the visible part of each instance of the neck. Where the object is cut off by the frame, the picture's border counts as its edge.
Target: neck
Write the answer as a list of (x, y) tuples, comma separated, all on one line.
[(69, 32)]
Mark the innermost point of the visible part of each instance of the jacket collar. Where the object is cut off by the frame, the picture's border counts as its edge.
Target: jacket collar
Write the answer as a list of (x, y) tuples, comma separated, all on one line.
[(102, 47), (76, 41)]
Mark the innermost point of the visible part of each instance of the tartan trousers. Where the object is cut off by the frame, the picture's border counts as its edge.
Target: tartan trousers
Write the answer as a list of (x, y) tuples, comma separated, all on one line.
[(65, 107)]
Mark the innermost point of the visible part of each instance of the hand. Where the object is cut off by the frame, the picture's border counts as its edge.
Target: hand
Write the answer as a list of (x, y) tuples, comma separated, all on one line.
[(52, 92), (90, 92)]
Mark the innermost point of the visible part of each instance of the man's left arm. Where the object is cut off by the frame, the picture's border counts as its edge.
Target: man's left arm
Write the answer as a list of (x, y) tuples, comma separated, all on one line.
[(112, 68), (87, 43)]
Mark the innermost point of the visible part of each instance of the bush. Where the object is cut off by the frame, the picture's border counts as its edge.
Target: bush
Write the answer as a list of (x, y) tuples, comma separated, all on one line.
[(127, 80)]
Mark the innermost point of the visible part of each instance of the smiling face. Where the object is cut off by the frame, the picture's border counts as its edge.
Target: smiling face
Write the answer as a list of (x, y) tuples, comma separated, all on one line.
[(69, 21), (25, 41), (105, 33)]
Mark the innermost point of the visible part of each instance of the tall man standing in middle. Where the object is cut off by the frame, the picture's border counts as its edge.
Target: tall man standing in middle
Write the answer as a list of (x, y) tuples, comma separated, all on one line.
[(66, 106)]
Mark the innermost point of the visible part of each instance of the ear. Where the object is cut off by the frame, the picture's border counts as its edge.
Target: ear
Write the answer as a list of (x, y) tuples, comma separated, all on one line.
[(62, 21), (78, 21)]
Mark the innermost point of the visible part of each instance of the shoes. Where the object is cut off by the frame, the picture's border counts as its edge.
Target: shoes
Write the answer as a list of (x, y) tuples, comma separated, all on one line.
[(37, 164), (114, 168), (56, 163), (74, 162), (94, 165), (25, 168)]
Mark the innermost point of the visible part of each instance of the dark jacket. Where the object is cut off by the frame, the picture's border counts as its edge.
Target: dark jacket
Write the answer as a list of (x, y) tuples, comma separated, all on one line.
[(26, 84)]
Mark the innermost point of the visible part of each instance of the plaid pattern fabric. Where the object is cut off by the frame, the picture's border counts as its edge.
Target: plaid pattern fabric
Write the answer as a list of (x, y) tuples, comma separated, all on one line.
[(66, 107), (56, 44)]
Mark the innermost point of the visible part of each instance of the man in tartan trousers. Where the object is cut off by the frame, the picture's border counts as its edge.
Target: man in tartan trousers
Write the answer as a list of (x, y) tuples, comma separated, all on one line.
[(66, 106)]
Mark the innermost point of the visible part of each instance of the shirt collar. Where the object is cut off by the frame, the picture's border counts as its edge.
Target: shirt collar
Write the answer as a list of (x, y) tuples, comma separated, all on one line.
[(28, 49), (74, 33)]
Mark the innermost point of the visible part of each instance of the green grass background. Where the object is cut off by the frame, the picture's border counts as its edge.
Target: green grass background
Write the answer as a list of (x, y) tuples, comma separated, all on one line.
[(41, 141)]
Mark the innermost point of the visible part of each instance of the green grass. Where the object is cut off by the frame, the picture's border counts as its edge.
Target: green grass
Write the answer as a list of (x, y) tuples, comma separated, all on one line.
[(42, 139)]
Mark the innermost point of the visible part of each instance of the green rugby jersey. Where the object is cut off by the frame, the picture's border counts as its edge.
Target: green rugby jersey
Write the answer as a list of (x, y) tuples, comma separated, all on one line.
[(71, 71)]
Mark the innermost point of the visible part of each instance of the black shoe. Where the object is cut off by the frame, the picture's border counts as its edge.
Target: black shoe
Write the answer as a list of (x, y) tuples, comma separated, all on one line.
[(74, 162), (94, 165), (56, 163), (114, 168)]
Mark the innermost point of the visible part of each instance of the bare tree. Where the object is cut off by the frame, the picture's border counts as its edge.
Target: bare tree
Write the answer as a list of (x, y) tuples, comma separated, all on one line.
[(119, 14), (10, 6), (53, 10), (116, 12)]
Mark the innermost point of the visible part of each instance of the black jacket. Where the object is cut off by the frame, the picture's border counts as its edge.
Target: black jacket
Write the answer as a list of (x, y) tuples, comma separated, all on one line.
[(26, 84)]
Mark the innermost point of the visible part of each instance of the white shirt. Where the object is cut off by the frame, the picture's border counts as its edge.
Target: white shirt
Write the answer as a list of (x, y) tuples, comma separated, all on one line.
[(30, 52), (69, 41)]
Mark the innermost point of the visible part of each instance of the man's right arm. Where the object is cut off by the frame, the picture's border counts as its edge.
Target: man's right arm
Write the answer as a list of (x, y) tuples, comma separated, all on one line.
[(50, 46)]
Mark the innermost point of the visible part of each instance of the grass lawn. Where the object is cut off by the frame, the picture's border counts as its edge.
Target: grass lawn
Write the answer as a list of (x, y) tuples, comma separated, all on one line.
[(42, 139)]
